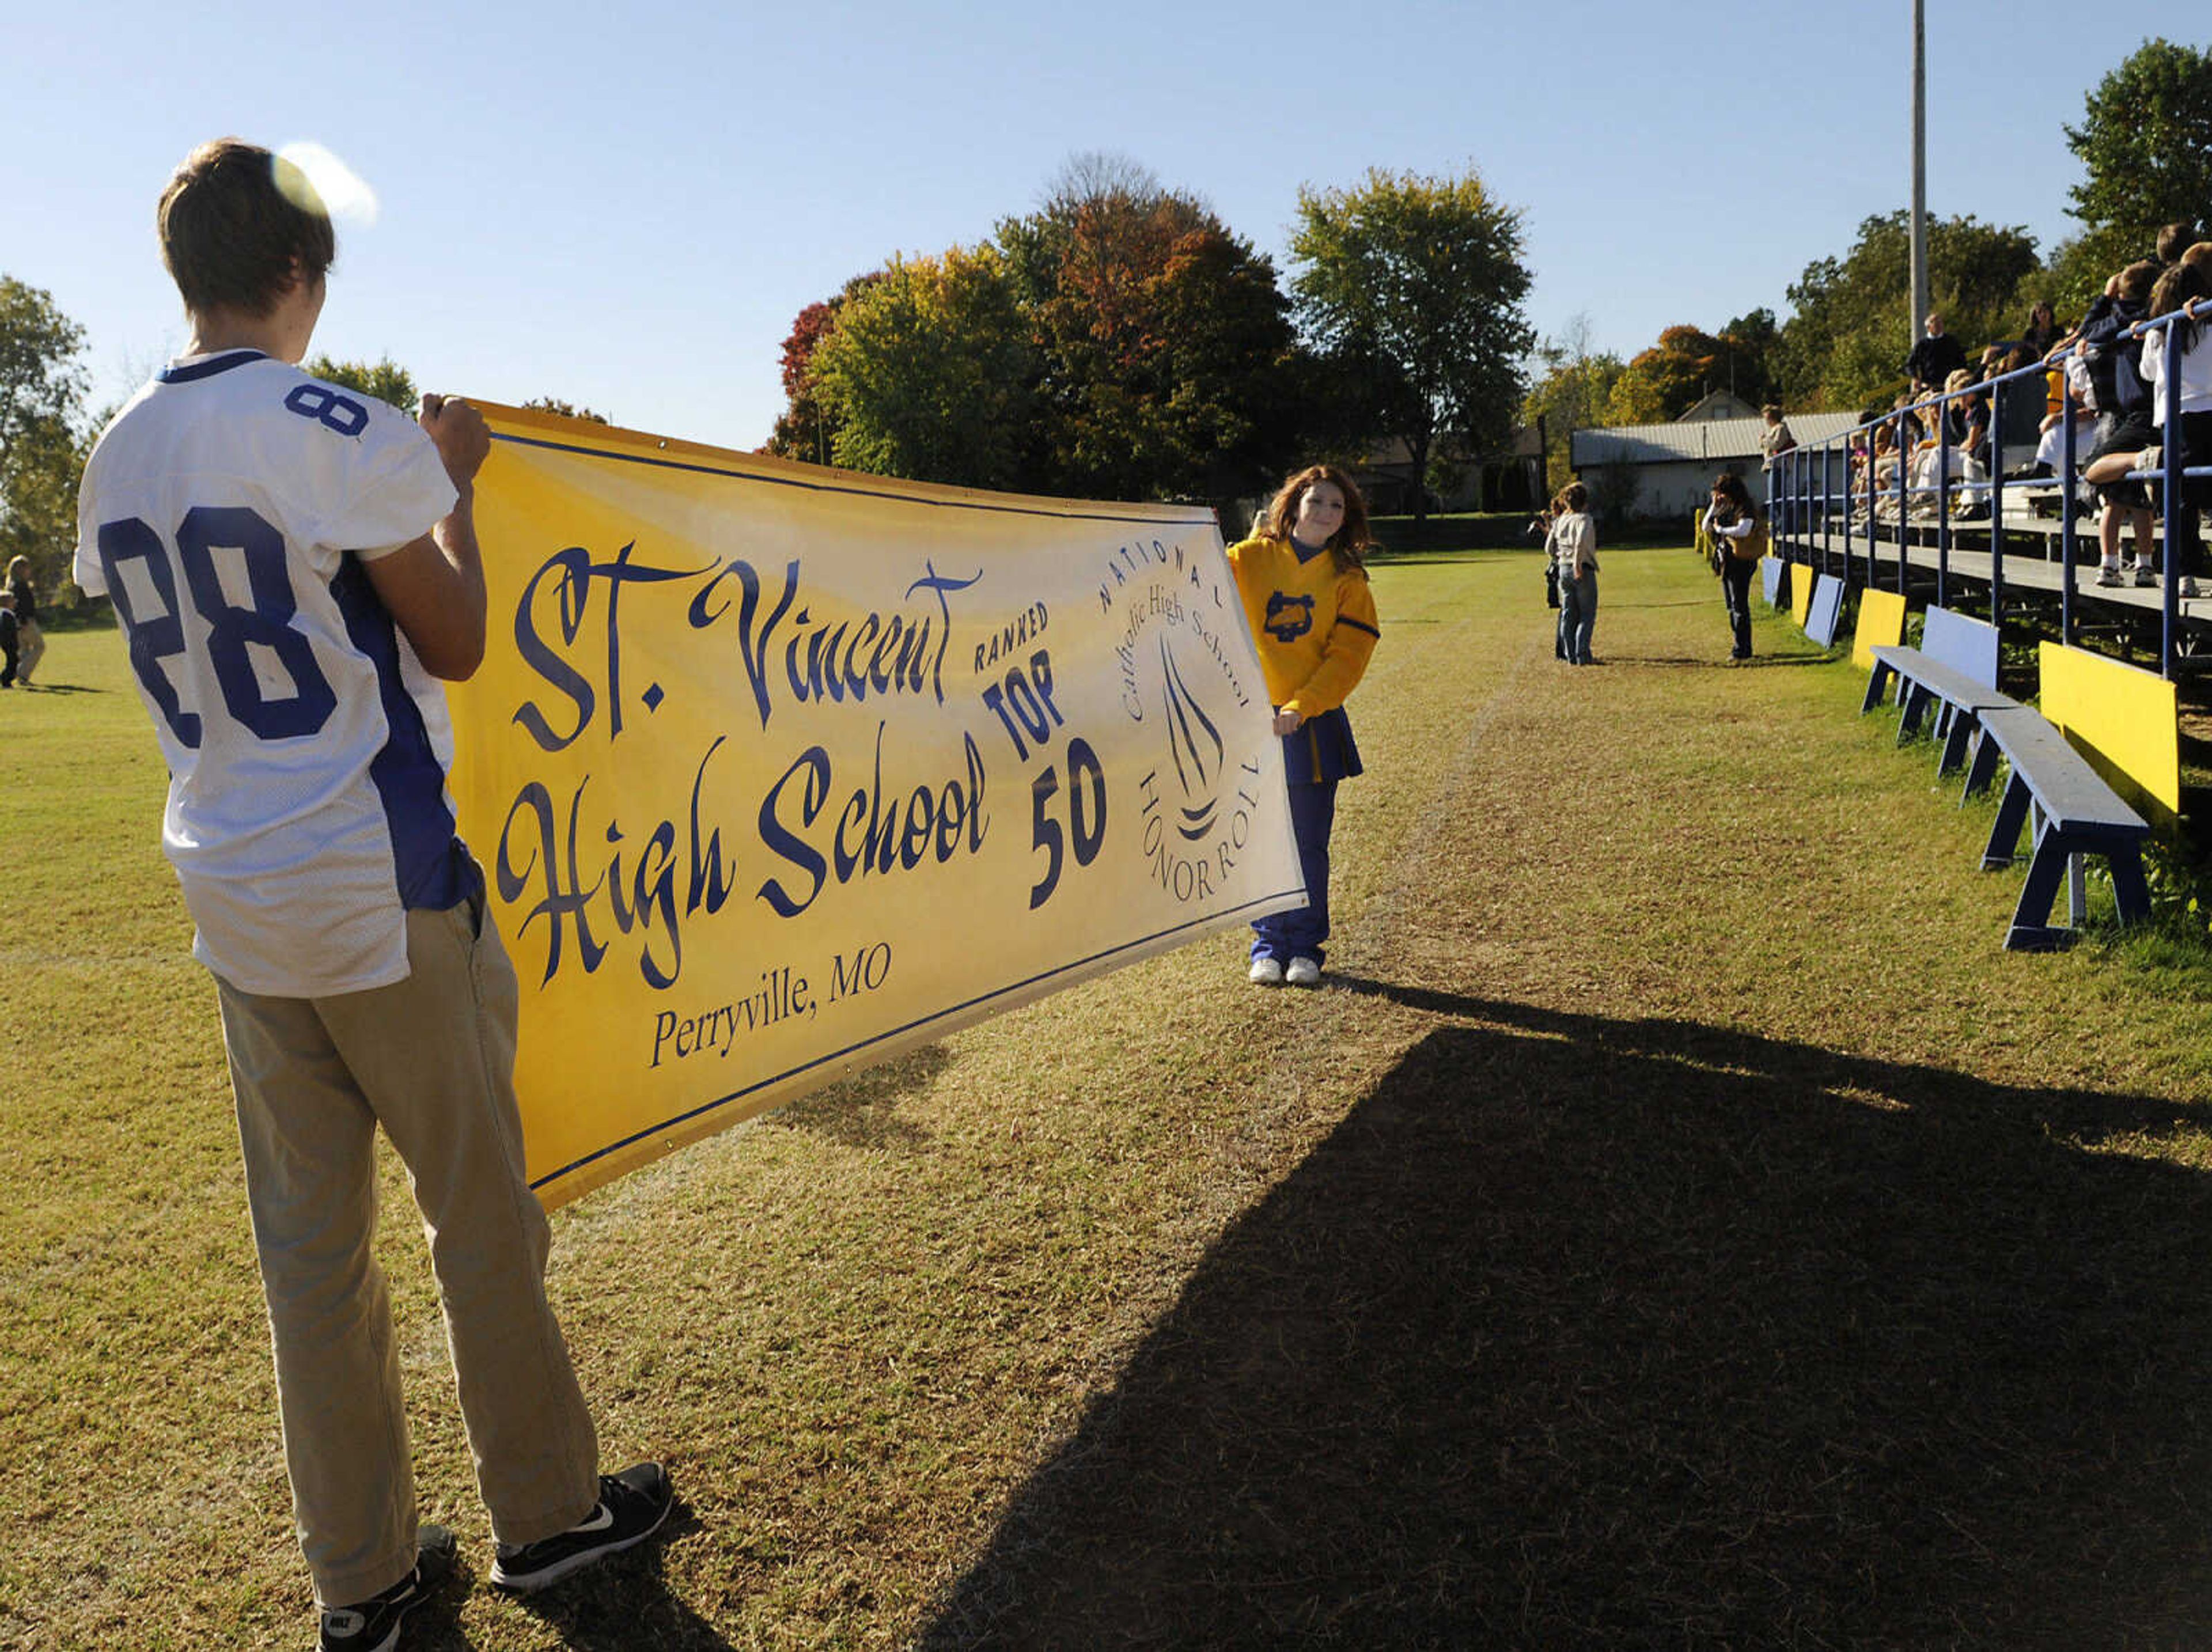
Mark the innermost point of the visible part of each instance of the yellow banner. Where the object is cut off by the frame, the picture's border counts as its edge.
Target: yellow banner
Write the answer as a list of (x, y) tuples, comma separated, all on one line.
[(776, 771)]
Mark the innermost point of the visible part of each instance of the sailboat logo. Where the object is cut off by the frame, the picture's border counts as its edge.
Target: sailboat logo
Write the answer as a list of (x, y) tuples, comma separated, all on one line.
[(1196, 746)]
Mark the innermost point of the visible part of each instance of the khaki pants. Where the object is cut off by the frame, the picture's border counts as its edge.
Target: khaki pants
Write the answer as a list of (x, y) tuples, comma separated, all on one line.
[(432, 1060)]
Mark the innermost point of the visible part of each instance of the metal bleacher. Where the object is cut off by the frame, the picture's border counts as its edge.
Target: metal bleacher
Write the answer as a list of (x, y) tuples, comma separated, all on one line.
[(2008, 544)]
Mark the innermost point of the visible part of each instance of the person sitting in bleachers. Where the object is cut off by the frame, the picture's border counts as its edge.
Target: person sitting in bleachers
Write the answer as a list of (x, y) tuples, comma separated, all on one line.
[(2117, 394), (2181, 411), (2042, 330)]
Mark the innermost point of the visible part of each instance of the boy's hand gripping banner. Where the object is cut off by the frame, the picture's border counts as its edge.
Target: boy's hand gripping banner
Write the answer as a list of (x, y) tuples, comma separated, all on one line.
[(776, 771)]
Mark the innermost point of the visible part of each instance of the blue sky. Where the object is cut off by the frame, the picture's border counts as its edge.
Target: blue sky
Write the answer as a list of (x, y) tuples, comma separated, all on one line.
[(627, 210)]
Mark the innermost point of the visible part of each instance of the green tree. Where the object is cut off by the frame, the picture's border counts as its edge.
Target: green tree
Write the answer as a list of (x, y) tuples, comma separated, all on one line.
[(928, 372), (566, 409), (1639, 395), (1164, 351), (2145, 142), (1749, 346), (42, 442), (387, 380), (1846, 343), (1571, 395), (1422, 278)]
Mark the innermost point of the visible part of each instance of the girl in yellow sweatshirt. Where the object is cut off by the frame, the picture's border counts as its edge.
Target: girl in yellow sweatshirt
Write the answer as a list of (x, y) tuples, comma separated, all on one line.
[(1312, 616)]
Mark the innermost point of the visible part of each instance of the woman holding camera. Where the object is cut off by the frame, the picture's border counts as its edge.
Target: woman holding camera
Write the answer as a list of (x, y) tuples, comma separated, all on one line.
[(1735, 524)]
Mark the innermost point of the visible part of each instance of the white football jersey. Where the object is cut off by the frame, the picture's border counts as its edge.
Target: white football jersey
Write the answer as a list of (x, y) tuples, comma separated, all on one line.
[(228, 511)]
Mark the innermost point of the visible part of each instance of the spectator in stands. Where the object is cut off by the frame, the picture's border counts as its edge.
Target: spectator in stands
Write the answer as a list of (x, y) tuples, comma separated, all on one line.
[(1777, 439), (1975, 444), (2042, 329), (2025, 403), (1885, 455), (1935, 357), (2181, 412), (2116, 393), (1734, 520), (1955, 408), (2050, 440), (2173, 241)]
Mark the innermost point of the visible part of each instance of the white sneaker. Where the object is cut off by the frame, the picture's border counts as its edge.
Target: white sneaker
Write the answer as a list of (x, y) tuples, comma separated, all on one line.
[(1303, 972), (1266, 972), (2189, 587), (2110, 576)]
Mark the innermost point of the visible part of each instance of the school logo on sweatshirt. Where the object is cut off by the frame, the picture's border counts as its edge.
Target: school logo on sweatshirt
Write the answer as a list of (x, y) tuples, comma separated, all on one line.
[(1289, 618)]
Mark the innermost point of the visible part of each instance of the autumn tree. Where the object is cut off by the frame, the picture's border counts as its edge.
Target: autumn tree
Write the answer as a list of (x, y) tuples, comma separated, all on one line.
[(928, 372), (42, 441), (1164, 351), (804, 430), (1420, 277)]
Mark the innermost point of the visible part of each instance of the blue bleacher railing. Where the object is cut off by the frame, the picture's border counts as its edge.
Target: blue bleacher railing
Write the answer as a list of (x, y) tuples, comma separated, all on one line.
[(1806, 500)]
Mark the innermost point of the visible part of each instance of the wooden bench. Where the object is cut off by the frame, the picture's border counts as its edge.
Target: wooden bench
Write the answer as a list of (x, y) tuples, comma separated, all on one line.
[(1954, 668), (2075, 814)]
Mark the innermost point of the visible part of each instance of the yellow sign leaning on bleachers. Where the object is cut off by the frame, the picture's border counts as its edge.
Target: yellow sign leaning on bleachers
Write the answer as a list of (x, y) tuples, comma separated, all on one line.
[(1881, 622), (2126, 721), (776, 771), (1801, 593)]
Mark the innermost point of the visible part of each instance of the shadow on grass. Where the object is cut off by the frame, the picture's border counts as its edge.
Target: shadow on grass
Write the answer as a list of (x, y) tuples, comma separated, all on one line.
[(622, 1604), (1588, 1332), (861, 1110)]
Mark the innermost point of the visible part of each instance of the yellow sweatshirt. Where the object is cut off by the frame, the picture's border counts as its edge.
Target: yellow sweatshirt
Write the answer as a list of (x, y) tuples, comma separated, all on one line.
[(1314, 627)]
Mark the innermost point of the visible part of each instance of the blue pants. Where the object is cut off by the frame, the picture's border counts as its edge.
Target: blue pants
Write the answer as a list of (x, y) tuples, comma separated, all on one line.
[(1299, 934), (1578, 615)]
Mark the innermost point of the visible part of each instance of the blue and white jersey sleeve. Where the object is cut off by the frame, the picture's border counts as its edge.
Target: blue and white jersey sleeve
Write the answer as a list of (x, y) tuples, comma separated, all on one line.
[(227, 512)]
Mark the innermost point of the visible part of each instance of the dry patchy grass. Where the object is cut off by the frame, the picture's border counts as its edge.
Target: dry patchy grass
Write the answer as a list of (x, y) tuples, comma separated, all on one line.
[(1679, 1224)]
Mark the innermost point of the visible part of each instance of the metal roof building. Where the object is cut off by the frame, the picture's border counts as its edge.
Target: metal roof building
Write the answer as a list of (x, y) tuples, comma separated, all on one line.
[(1669, 468)]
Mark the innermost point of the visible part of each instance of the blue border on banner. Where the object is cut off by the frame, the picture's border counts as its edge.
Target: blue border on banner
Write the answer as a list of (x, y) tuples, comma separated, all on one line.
[(1205, 521), (636, 1137)]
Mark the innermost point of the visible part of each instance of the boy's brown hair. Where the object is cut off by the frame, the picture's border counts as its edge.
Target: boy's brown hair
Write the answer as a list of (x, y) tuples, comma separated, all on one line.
[(237, 224)]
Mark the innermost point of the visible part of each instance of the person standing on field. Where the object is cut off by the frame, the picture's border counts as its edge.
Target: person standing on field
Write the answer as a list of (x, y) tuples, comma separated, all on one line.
[(1303, 578), (1739, 535), (30, 637), (1573, 547), (293, 567)]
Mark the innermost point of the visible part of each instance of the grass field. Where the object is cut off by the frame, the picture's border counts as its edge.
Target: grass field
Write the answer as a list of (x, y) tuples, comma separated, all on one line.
[(1678, 1225)]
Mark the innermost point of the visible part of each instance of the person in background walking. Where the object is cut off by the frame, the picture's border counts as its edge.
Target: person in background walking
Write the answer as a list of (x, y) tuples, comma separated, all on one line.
[(1573, 548)]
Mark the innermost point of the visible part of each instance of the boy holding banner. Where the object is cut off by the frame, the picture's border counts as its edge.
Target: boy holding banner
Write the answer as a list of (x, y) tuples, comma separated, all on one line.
[(292, 567)]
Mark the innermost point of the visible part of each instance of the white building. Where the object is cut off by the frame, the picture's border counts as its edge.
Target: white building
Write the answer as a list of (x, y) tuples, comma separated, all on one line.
[(1668, 470)]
